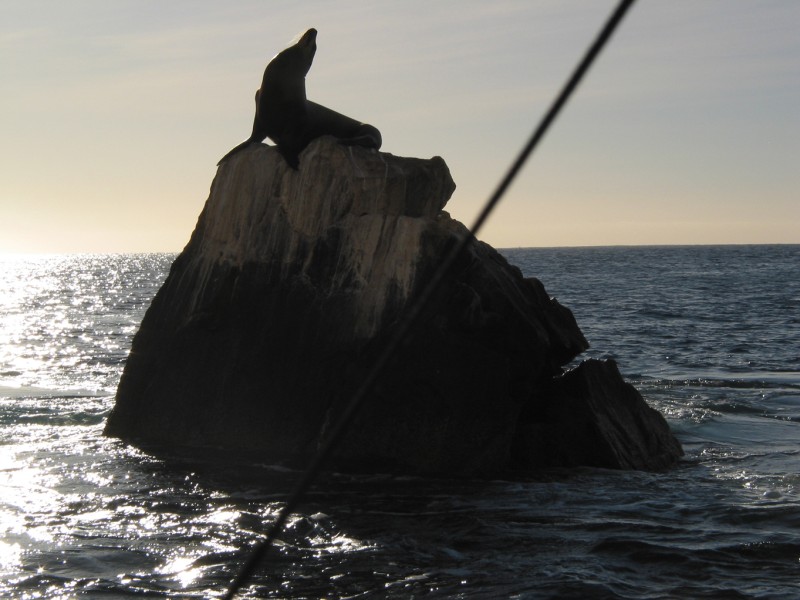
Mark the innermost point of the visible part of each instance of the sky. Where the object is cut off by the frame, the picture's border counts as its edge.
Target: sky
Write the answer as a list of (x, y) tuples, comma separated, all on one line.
[(113, 114)]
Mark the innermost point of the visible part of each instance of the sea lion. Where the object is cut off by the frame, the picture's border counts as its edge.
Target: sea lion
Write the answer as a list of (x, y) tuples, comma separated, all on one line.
[(284, 115)]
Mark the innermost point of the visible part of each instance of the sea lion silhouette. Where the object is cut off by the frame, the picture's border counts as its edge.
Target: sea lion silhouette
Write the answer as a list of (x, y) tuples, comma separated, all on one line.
[(284, 115)]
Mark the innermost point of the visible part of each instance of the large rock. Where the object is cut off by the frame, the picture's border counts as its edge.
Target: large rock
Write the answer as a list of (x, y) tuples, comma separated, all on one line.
[(292, 282)]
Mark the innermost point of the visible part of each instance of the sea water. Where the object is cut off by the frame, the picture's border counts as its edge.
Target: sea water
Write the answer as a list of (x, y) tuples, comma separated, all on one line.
[(709, 335)]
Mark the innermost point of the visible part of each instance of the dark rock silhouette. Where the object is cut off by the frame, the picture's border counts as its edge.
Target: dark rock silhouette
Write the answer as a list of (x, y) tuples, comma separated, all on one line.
[(293, 280)]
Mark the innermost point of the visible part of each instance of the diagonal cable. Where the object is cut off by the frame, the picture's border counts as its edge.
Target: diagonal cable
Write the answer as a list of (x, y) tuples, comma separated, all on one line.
[(417, 307)]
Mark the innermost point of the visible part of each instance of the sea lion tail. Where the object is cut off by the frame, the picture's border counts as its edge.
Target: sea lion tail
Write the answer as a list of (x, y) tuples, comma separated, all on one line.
[(241, 146)]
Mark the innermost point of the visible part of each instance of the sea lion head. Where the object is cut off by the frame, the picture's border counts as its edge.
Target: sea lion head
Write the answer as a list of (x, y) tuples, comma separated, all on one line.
[(301, 54), (285, 75), (308, 44)]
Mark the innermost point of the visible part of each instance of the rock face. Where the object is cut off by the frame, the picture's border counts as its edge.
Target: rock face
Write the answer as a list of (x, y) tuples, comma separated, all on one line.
[(293, 280)]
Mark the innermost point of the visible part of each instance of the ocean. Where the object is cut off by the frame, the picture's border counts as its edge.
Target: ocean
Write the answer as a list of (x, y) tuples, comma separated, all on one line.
[(710, 335)]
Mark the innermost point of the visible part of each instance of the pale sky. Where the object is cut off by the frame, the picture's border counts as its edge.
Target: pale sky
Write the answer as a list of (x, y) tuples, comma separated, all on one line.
[(113, 114)]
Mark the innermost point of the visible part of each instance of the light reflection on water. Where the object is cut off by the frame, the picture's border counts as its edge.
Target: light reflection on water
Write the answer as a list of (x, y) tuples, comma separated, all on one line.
[(68, 319), (90, 513), (82, 515)]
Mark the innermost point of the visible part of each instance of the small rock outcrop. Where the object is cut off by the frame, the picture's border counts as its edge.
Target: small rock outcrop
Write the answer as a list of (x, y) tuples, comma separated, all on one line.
[(591, 417), (291, 283)]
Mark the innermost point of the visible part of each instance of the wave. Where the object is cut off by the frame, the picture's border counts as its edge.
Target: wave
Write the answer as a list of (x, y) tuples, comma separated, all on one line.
[(763, 379), (27, 391), (52, 408)]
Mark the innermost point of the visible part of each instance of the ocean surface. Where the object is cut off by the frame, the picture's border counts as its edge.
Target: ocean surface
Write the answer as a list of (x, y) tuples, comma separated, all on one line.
[(709, 335)]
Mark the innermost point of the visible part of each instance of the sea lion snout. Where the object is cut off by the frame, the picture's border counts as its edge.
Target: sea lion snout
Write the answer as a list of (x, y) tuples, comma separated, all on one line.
[(309, 37)]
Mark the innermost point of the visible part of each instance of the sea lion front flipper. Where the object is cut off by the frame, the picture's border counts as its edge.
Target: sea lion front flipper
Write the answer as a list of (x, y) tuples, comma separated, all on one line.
[(257, 136), (291, 156)]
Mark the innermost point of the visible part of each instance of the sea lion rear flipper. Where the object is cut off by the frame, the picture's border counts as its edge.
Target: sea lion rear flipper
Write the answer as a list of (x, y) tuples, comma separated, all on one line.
[(325, 121), (368, 137)]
